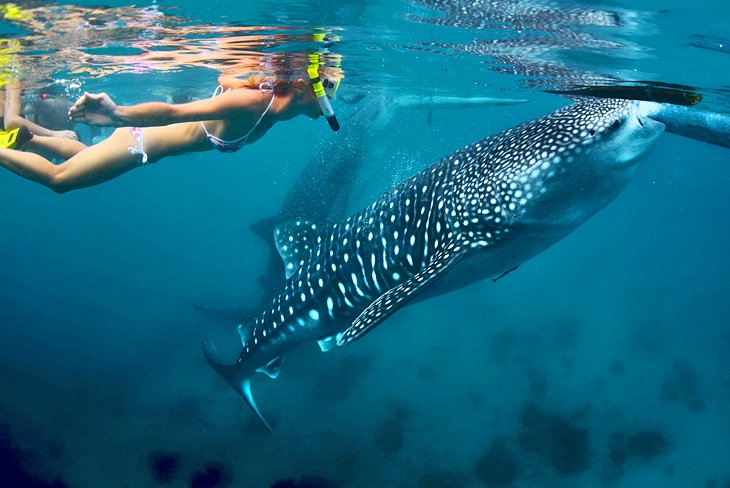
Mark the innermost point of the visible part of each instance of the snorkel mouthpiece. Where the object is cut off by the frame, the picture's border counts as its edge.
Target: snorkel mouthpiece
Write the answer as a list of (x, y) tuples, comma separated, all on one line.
[(319, 92), (329, 114)]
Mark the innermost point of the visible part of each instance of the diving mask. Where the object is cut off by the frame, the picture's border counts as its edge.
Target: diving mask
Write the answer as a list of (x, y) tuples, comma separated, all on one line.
[(330, 87)]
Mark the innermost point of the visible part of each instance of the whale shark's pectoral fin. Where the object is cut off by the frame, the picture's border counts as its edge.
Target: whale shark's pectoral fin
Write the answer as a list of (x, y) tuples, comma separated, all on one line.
[(294, 241), (390, 301)]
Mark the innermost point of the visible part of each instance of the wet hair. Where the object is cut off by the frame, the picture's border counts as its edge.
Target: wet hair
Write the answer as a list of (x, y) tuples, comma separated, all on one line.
[(281, 85), (283, 82)]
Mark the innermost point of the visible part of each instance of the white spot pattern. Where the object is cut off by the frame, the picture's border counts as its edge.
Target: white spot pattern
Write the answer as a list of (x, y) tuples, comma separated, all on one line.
[(472, 197)]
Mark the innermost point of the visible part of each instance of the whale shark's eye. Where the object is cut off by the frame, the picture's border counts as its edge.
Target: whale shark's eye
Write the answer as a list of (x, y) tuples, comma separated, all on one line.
[(616, 124), (592, 132)]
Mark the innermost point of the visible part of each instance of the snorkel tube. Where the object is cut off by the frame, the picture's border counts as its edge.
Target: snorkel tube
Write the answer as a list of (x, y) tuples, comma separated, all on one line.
[(319, 92)]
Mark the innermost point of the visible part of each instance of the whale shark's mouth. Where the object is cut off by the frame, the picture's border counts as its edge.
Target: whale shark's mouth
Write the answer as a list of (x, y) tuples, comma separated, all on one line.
[(650, 127), (643, 135)]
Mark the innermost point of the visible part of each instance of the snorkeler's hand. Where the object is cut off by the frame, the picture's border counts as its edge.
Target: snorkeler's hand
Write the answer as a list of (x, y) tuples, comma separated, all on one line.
[(94, 109)]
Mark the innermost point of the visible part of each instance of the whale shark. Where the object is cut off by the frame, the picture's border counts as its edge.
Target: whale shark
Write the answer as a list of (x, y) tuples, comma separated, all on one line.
[(472, 215), (701, 125), (322, 189)]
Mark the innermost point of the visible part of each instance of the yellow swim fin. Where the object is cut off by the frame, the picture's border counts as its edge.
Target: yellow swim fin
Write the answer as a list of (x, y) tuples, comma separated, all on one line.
[(8, 138)]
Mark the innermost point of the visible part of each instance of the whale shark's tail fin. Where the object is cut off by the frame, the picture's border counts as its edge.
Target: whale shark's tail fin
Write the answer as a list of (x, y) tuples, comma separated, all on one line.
[(228, 371), (213, 358)]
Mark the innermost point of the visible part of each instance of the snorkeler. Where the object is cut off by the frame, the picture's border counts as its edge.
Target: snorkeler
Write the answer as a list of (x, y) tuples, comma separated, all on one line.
[(239, 113), (44, 116), (47, 116)]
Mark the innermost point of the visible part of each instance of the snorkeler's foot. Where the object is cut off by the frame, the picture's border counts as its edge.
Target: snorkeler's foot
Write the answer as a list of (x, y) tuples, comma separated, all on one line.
[(16, 138), (8, 138), (24, 136)]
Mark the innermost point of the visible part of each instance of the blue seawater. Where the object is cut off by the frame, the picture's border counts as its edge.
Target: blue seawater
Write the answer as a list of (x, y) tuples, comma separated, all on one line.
[(601, 362)]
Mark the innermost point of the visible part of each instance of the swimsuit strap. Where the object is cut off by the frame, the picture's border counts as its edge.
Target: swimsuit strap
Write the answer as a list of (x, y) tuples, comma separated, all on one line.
[(271, 102), (266, 86), (218, 90), (233, 145)]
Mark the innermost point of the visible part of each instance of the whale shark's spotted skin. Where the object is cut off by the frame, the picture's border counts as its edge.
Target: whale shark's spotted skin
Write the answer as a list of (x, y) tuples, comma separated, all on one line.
[(472, 215)]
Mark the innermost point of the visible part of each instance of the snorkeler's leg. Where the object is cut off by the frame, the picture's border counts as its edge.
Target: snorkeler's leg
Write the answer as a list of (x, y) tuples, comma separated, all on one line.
[(95, 164), (30, 166), (55, 146)]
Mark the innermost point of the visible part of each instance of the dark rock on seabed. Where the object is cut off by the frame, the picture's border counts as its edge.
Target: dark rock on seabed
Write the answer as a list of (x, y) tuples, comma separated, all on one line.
[(499, 466), (556, 439)]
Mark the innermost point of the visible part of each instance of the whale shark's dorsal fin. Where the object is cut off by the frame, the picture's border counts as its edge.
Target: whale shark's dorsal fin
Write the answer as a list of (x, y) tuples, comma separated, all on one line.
[(390, 301), (294, 241)]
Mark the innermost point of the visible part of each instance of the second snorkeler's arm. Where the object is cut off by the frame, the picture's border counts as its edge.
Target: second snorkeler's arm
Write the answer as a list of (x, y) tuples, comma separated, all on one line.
[(12, 118), (99, 109)]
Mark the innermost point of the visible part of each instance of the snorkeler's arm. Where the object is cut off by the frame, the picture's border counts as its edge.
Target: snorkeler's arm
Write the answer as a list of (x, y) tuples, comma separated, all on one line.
[(99, 109), (13, 119)]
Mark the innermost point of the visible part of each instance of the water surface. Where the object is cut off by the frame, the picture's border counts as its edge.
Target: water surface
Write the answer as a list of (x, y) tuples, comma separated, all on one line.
[(602, 362)]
